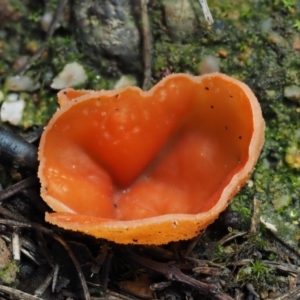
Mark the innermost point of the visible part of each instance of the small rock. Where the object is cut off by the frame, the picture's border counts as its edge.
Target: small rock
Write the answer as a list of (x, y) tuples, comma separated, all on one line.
[(71, 75), (20, 62), (124, 81), (46, 20), (180, 19), (292, 92), (21, 83), (108, 33), (209, 64), (12, 110), (281, 201)]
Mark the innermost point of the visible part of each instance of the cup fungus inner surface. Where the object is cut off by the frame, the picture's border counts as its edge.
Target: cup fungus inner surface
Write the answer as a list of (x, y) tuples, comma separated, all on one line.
[(131, 155)]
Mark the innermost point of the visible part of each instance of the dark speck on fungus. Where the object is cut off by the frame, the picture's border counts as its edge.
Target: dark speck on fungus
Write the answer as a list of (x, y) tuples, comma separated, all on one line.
[(131, 179)]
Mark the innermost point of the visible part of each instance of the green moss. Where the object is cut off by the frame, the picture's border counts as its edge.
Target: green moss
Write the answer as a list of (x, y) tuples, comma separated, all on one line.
[(38, 109), (8, 275), (257, 273)]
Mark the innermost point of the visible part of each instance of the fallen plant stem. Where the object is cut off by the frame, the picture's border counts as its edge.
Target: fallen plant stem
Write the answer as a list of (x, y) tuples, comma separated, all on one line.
[(17, 294), (146, 45), (207, 14), (15, 218), (18, 187), (56, 16), (251, 289), (55, 275), (231, 236), (17, 151), (172, 273), (293, 294), (255, 216), (39, 228), (285, 245)]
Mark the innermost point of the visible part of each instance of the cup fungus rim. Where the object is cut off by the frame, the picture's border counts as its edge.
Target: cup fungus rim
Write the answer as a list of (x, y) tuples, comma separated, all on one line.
[(234, 185)]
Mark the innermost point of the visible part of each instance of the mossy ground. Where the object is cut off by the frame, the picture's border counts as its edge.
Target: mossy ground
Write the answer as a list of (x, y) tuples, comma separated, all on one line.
[(265, 57)]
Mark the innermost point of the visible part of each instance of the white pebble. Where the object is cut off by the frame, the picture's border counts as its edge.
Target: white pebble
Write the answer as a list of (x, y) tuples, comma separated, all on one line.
[(292, 92), (12, 110), (209, 64), (71, 75), (124, 81), (46, 20), (21, 83)]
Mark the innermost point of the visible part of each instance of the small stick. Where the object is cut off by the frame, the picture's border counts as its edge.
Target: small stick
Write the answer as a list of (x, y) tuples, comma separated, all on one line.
[(18, 187), (16, 150), (173, 273), (60, 7), (16, 247), (42, 288), (293, 294), (255, 216), (250, 288), (42, 229), (207, 14), (17, 294), (146, 45), (55, 275)]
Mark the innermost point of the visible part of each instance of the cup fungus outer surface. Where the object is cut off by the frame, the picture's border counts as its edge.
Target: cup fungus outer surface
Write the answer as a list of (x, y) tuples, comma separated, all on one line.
[(188, 103)]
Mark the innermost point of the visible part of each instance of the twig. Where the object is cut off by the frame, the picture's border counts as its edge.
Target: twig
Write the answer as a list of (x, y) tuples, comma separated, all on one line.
[(192, 245), (251, 289), (17, 294), (15, 150), (60, 7), (55, 275), (255, 215), (207, 14), (231, 236), (16, 246), (18, 187), (27, 251), (105, 271), (110, 295), (172, 273), (285, 245), (146, 45), (40, 228), (42, 288), (293, 294)]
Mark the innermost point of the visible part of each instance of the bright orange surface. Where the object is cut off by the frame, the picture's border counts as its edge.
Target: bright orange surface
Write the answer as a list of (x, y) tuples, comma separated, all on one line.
[(130, 155)]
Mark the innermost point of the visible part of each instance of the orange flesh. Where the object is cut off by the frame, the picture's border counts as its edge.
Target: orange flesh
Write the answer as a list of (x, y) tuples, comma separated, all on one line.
[(130, 155)]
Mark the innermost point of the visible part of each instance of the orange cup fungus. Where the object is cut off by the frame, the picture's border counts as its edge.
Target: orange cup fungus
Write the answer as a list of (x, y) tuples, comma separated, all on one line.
[(149, 167)]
